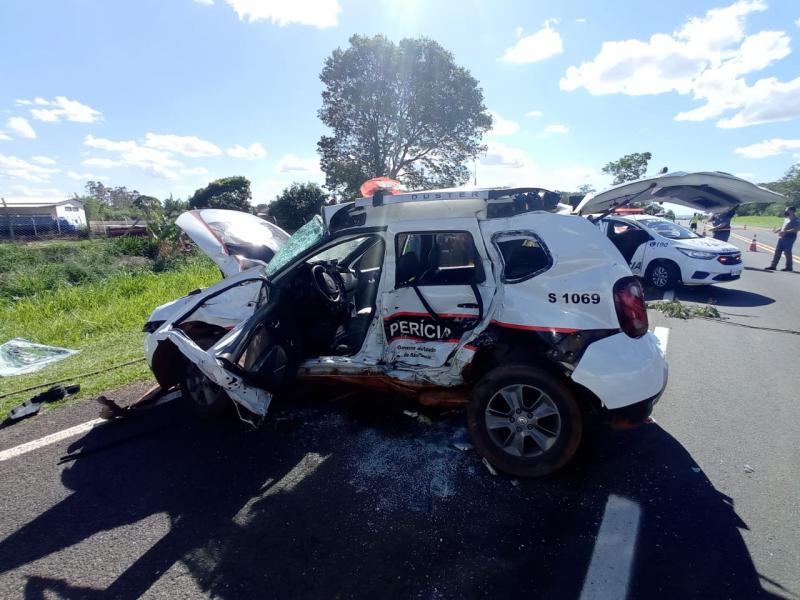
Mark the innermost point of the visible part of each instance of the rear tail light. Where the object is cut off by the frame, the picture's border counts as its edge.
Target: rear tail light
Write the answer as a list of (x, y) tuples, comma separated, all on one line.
[(631, 309)]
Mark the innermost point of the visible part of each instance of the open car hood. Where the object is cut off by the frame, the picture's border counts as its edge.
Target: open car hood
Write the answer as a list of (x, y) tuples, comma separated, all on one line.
[(232, 239), (703, 191)]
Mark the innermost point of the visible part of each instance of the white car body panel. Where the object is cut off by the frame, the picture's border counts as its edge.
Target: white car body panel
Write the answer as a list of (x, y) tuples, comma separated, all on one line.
[(664, 248), (621, 370), (219, 233), (702, 191)]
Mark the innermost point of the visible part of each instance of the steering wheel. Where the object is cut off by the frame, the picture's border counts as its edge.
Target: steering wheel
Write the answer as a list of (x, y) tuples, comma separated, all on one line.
[(328, 286)]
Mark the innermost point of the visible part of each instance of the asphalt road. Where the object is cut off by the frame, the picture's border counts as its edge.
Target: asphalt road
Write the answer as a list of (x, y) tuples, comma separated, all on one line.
[(352, 498)]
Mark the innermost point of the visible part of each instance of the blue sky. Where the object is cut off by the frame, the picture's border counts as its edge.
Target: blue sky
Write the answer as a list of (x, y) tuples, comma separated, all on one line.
[(165, 95)]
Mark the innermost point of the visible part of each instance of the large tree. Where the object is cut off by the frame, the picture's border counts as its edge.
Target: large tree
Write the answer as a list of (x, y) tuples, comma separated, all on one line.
[(406, 111), (229, 192), (296, 205), (628, 168)]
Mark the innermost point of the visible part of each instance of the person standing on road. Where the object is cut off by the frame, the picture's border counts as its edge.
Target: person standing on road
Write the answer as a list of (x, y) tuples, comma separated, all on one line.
[(693, 224), (721, 225), (787, 235)]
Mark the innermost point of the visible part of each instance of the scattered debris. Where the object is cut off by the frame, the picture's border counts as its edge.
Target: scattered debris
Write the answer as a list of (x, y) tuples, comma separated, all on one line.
[(678, 310), (696, 469), (424, 420), (153, 397), (32, 406), (463, 446), (411, 413), (18, 356), (749, 469), (515, 483), (489, 466)]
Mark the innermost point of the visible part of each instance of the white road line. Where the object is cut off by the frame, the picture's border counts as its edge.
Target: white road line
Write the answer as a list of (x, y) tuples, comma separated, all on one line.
[(70, 432), (669, 295), (50, 439), (610, 568), (662, 333)]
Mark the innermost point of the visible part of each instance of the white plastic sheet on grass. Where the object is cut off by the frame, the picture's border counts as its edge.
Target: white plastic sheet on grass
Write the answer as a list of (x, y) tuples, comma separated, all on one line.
[(20, 356)]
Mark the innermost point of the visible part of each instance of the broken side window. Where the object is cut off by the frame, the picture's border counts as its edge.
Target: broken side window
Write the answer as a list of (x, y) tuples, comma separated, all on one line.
[(524, 256)]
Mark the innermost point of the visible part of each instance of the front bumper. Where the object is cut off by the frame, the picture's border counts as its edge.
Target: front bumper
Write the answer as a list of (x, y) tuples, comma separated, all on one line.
[(623, 371), (633, 415), (710, 271)]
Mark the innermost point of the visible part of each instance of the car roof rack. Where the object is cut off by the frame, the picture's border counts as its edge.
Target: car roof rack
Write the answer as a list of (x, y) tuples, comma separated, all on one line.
[(500, 202)]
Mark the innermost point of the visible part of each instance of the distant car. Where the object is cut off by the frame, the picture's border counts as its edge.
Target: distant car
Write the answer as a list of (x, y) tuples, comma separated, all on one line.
[(664, 253)]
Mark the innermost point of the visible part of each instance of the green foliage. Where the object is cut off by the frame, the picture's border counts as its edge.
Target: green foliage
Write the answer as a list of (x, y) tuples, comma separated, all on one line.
[(678, 310), (35, 269), (759, 221), (103, 319), (628, 168), (406, 111), (296, 205), (232, 193)]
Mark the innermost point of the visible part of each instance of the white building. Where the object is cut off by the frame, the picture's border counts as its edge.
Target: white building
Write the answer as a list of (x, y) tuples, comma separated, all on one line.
[(70, 212)]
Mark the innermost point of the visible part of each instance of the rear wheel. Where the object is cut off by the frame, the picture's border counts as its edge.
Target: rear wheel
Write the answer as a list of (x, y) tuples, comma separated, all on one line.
[(524, 421), (662, 275), (203, 397)]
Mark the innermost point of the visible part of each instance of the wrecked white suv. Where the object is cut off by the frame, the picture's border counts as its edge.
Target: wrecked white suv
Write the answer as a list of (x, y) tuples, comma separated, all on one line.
[(481, 298)]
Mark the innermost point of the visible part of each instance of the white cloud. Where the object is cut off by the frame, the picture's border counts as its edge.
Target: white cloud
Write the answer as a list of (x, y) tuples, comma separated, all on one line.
[(316, 13), (187, 145), (195, 171), (289, 163), (501, 126), (19, 102), (4, 137), (556, 128), (708, 57), (12, 167), (797, 22), (43, 160), (86, 176), (251, 152), (151, 160), (580, 20), (535, 47), (518, 31), (21, 127), (771, 147), (102, 163), (505, 165), (64, 108), (534, 114), (206, 2), (28, 192)]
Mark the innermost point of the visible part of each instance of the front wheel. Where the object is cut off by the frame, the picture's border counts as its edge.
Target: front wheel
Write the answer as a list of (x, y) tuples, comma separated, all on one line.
[(662, 276), (201, 396), (525, 421)]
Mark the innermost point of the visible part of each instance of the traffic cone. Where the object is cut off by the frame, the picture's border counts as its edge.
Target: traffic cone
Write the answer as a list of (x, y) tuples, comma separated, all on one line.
[(745, 226), (753, 247)]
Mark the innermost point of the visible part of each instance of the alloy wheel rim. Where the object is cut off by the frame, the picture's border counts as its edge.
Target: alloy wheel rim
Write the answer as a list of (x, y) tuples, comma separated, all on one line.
[(660, 276), (522, 420), (201, 389)]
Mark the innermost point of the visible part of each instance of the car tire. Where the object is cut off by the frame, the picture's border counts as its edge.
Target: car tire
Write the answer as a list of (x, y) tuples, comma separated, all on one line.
[(544, 422), (662, 275), (201, 396)]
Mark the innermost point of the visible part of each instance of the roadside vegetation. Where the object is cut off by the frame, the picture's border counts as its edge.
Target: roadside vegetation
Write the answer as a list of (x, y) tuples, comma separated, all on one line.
[(766, 221), (93, 296)]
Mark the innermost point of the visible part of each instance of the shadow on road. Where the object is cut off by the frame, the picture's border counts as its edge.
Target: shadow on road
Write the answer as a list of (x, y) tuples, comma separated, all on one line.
[(721, 296), (342, 501)]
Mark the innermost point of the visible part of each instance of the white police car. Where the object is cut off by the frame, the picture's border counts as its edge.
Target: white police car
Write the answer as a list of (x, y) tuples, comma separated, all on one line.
[(485, 299), (664, 253)]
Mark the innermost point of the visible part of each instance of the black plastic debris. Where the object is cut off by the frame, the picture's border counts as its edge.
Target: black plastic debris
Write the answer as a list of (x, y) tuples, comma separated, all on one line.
[(31, 407)]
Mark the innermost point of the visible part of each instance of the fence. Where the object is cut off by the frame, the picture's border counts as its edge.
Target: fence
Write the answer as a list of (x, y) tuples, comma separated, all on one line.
[(26, 228)]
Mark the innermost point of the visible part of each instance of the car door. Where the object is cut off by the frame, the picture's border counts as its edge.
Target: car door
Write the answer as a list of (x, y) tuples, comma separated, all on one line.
[(631, 240), (438, 285)]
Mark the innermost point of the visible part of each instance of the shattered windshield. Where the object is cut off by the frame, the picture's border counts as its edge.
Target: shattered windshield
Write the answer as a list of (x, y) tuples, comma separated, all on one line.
[(669, 230), (305, 237)]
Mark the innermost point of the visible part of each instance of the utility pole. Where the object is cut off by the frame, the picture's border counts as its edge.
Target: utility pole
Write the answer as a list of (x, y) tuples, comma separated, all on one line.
[(8, 216)]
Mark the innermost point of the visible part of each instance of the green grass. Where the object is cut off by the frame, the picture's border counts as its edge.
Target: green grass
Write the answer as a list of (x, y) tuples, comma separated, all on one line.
[(759, 221), (103, 319)]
